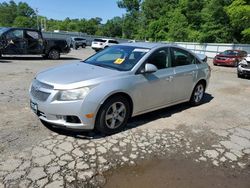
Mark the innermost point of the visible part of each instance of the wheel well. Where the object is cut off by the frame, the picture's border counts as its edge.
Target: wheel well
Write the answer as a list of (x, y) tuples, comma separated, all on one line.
[(54, 48), (125, 95), (204, 82)]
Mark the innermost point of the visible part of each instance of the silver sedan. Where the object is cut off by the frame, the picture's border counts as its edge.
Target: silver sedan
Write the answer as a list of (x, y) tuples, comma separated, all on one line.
[(122, 81)]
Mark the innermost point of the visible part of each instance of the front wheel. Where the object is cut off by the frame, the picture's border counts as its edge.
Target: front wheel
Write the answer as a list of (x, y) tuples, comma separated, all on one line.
[(54, 54), (113, 115), (198, 94)]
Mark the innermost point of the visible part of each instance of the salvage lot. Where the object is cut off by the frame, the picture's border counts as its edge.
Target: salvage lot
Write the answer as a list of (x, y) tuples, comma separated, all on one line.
[(216, 134)]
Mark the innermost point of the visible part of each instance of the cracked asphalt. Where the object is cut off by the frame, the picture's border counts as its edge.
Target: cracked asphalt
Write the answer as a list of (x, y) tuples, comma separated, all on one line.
[(216, 133)]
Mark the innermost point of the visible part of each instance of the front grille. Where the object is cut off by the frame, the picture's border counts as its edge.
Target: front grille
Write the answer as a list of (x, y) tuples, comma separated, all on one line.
[(39, 95), (37, 90), (39, 84), (221, 58)]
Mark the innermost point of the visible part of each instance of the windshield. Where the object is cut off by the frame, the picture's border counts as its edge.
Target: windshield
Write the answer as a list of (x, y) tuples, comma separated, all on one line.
[(122, 58), (3, 29), (230, 52)]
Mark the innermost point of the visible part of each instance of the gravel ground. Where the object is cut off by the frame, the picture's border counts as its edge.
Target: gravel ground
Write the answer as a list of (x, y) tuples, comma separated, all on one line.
[(216, 133)]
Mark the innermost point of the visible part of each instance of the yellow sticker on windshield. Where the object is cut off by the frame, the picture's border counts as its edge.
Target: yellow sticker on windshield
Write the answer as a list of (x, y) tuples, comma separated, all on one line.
[(119, 61)]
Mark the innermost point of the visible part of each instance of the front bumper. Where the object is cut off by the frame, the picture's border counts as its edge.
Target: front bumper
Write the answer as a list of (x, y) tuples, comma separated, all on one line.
[(224, 62), (243, 71), (57, 112)]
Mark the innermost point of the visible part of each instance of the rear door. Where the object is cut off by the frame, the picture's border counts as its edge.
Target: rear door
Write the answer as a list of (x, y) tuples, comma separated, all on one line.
[(34, 42), (16, 43), (185, 73)]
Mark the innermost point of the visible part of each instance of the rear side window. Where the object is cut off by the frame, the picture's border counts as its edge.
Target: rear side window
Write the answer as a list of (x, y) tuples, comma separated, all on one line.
[(113, 42), (79, 39), (99, 40), (242, 54), (181, 57)]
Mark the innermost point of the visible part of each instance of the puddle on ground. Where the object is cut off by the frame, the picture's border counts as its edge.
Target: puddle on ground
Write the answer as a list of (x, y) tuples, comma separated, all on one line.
[(176, 174)]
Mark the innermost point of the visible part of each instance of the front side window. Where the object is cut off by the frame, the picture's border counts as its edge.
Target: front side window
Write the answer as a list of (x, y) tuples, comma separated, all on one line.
[(122, 58), (160, 58), (15, 34), (181, 57)]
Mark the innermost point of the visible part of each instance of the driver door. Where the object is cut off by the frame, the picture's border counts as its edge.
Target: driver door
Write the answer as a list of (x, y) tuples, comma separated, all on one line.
[(16, 43), (155, 90)]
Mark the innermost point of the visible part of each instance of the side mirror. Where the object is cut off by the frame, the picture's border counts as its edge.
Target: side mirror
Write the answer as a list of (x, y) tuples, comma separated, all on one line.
[(149, 68), (202, 57)]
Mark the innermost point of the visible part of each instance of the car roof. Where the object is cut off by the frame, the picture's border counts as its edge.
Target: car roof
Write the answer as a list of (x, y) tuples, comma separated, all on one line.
[(149, 45)]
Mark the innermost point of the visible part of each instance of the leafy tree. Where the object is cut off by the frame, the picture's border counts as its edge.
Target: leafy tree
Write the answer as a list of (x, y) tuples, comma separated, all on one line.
[(22, 21), (239, 14), (177, 26), (113, 27), (215, 25)]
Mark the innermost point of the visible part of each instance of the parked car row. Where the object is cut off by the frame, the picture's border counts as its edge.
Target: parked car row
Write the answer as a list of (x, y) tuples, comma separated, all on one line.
[(229, 57), (235, 58)]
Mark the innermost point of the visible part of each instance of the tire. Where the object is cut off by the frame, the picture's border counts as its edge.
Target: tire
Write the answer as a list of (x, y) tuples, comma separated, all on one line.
[(54, 54), (84, 46), (239, 75), (113, 115), (198, 94)]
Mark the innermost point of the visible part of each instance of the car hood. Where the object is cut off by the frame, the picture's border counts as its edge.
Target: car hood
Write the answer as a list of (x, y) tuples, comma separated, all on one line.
[(75, 75)]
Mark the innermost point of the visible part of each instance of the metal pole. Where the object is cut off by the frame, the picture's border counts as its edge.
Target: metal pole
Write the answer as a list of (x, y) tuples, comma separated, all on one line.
[(37, 21)]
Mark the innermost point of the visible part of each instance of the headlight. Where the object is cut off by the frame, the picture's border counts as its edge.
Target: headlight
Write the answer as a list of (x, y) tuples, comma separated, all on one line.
[(74, 94)]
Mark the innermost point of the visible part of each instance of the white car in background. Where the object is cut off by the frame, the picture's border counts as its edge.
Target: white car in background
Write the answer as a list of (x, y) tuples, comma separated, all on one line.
[(100, 44)]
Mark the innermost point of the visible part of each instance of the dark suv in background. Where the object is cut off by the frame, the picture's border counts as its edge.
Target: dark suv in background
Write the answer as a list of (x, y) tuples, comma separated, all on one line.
[(18, 41), (77, 42), (229, 57)]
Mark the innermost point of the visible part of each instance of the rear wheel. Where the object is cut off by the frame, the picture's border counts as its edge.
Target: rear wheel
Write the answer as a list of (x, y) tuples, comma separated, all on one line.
[(84, 46), (198, 94), (113, 115), (54, 54)]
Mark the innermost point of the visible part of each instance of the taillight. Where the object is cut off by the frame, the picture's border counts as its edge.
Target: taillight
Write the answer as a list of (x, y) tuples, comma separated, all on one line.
[(101, 43)]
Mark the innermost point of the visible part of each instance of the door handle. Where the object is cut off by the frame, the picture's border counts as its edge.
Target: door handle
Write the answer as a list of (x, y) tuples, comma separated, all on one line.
[(170, 78), (190, 73)]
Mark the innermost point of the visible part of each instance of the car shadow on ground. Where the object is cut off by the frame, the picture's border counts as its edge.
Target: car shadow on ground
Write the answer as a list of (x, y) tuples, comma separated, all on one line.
[(4, 61), (8, 59), (133, 122)]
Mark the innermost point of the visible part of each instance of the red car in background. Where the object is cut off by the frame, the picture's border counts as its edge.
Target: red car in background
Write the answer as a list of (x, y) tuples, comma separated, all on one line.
[(229, 57)]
